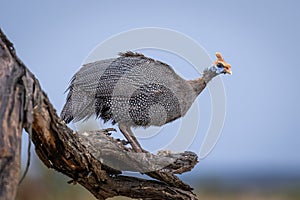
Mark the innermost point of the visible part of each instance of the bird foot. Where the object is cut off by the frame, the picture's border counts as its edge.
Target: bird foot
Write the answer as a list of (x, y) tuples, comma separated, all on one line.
[(136, 149), (124, 142), (107, 131)]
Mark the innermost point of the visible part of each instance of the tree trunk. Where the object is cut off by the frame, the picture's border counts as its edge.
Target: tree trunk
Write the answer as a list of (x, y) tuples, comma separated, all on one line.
[(11, 120), (23, 104)]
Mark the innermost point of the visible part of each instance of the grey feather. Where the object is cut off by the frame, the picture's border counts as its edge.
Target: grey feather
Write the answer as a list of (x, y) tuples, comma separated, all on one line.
[(131, 89)]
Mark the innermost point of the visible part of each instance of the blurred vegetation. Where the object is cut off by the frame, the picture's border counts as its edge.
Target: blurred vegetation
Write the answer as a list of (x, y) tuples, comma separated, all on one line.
[(46, 184), (53, 186)]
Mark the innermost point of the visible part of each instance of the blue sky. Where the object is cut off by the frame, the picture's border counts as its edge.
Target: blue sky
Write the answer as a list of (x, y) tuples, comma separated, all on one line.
[(258, 38)]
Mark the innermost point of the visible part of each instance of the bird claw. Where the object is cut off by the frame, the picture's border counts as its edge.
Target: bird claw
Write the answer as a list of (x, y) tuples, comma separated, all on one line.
[(107, 131), (124, 142)]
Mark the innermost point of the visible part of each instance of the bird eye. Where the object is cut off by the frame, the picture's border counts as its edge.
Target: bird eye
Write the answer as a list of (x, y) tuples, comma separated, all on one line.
[(220, 65)]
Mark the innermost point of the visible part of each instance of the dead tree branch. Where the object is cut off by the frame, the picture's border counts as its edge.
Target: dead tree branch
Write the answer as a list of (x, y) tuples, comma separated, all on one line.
[(11, 120), (23, 104)]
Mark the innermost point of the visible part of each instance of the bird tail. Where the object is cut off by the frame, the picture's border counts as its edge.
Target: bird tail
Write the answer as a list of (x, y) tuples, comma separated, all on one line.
[(66, 113), (79, 105)]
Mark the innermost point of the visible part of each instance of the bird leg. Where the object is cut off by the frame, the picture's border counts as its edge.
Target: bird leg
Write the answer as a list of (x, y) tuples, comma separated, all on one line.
[(126, 131)]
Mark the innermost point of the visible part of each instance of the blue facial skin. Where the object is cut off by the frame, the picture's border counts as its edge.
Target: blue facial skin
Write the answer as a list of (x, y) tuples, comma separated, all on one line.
[(218, 69)]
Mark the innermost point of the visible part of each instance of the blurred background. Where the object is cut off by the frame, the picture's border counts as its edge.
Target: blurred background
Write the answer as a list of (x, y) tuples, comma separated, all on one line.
[(257, 155)]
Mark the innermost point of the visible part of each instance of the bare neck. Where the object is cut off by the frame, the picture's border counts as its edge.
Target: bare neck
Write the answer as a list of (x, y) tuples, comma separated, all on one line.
[(200, 83), (209, 74)]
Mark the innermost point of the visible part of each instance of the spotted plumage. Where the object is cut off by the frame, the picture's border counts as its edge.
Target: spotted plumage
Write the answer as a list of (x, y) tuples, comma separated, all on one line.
[(133, 90)]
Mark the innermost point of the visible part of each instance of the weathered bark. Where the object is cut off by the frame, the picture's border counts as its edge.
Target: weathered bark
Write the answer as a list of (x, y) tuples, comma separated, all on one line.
[(114, 154), (11, 120), (23, 104)]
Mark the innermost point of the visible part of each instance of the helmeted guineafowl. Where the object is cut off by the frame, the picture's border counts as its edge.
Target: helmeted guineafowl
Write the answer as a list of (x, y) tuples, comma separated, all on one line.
[(134, 90)]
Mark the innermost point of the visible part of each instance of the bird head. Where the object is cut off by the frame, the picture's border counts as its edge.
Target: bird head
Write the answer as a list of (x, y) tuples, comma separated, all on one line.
[(221, 65)]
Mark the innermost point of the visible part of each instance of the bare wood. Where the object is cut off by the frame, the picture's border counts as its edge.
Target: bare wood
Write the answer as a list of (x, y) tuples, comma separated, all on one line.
[(60, 148), (11, 117), (114, 154)]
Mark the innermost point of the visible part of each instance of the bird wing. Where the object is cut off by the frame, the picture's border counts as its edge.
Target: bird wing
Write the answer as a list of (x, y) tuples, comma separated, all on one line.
[(120, 75), (116, 78)]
